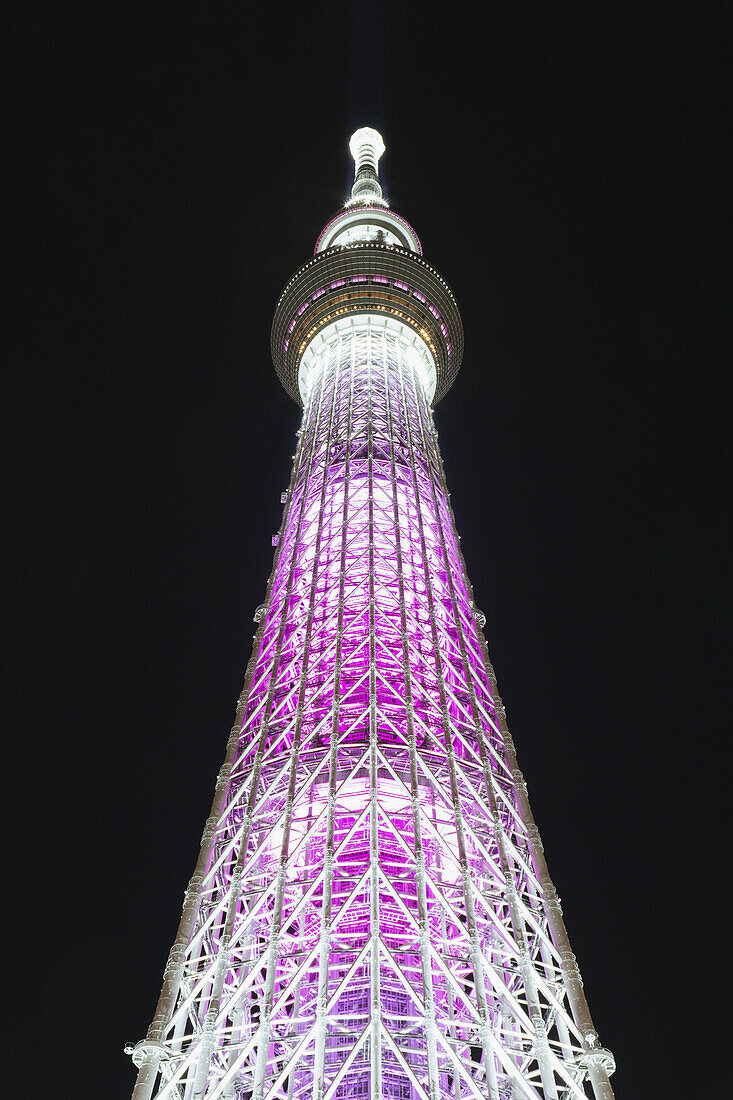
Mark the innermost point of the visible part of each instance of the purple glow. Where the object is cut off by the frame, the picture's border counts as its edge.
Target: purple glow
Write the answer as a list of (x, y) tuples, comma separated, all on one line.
[(311, 694), (368, 702)]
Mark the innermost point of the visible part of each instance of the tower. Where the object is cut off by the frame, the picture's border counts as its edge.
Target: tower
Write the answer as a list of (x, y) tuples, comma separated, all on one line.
[(371, 913)]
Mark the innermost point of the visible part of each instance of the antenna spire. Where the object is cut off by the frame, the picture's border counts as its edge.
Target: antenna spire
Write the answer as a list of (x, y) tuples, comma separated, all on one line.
[(366, 147)]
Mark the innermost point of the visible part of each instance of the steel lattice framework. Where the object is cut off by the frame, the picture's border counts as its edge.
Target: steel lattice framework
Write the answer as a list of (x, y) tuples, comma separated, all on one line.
[(371, 913)]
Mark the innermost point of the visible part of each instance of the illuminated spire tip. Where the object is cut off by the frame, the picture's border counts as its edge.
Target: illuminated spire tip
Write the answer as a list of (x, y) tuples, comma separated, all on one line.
[(366, 147)]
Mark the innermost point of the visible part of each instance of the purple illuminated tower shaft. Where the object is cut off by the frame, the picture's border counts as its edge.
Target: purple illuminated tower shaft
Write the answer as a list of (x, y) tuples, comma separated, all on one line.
[(371, 914)]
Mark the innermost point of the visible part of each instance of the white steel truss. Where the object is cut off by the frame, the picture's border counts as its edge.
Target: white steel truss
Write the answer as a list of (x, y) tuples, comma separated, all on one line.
[(371, 913)]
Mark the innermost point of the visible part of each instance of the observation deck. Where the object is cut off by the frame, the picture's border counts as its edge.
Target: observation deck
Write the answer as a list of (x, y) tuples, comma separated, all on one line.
[(368, 263), (372, 279)]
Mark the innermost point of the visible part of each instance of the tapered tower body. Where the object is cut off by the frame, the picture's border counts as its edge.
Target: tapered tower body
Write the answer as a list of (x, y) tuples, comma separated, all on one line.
[(371, 913)]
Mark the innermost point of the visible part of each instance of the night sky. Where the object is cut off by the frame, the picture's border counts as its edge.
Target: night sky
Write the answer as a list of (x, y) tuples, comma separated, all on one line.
[(562, 164)]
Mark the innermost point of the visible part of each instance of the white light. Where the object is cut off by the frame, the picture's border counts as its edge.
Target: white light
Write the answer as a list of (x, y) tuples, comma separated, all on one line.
[(401, 338), (366, 146)]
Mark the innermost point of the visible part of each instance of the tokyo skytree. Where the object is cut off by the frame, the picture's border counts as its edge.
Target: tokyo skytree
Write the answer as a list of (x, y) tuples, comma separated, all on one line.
[(371, 913)]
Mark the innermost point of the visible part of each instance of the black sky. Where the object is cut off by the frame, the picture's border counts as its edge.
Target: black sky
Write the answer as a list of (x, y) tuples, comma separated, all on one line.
[(563, 165)]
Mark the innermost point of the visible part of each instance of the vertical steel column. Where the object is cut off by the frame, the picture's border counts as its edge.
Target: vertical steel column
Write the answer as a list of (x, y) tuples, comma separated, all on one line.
[(425, 960), (475, 948), (598, 1059), (374, 974), (597, 1063), (207, 1043), (325, 944), (528, 976), (274, 947), (153, 1047)]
